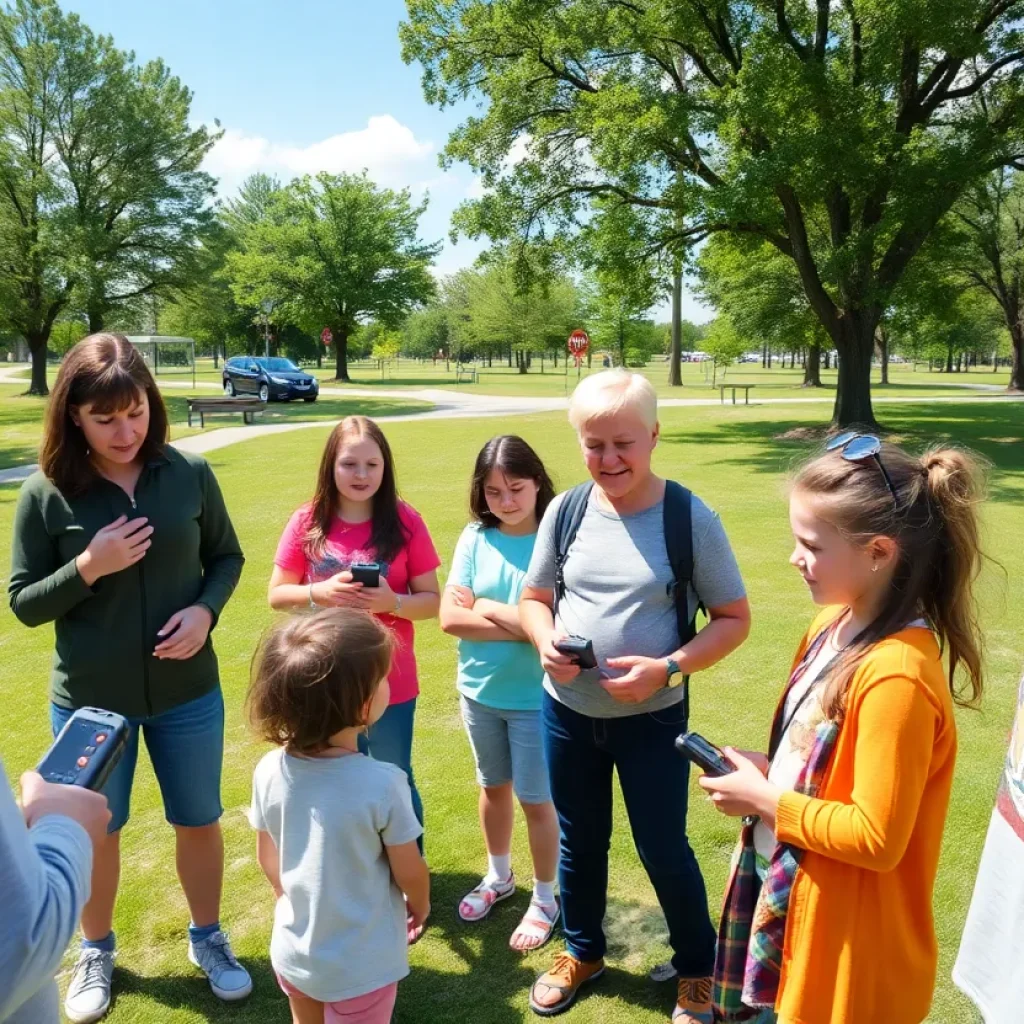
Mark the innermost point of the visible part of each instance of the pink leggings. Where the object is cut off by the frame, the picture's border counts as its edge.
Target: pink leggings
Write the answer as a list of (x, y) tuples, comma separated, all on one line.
[(373, 1008)]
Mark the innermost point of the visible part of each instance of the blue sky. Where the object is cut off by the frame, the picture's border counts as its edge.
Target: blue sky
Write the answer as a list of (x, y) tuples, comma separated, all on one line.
[(303, 86)]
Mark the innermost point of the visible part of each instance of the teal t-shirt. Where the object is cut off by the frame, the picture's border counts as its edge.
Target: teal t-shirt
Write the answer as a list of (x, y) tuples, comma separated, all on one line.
[(502, 674)]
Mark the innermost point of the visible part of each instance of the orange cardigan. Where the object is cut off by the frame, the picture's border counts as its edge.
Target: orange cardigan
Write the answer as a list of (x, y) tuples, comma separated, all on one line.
[(860, 943)]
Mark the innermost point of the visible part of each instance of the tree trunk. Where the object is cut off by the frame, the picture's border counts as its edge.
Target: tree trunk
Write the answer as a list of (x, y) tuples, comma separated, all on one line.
[(949, 359), (854, 337), (812, 367), (341, 354), (675, 360), (95, 319), (883, 352), (37, 347), (510, 357), (1017, 356)]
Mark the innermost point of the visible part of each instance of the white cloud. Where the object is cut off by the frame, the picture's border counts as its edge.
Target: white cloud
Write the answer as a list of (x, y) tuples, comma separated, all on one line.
[(387, 149)]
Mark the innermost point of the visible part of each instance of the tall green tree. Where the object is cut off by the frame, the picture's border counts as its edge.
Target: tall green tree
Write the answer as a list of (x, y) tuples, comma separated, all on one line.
[(991, 217), (723, 342), (334, 251), (101, 198), (500, 313), (736, 117), (129, 161), (37, 273), (760, 290)]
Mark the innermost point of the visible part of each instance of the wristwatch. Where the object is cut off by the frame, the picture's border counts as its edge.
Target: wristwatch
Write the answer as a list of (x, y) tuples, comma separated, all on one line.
[(675, 673)]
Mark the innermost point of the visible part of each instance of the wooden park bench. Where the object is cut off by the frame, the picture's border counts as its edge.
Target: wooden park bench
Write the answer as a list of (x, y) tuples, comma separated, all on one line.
[(722, 388), (248, 407), (466, 373)]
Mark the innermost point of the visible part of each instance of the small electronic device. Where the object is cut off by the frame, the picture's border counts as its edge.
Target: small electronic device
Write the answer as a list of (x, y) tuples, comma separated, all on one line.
[(581, 651), (705, 755), (367, 573), (87, 749)]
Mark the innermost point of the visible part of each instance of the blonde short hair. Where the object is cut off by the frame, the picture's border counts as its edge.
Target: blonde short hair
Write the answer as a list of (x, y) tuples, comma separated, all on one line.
[(607, 392)]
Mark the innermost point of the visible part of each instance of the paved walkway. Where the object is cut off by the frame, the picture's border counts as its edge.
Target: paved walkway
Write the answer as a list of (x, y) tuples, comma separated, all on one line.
[(463, 404)]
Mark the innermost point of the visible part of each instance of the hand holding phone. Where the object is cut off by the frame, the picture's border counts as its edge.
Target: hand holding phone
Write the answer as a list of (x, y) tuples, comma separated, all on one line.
[(86, 750), (705, 755), (581, 651), (367, 573), (40, 799)]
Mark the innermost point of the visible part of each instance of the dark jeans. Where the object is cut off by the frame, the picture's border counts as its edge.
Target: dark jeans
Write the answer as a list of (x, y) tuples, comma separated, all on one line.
[(581, 754)]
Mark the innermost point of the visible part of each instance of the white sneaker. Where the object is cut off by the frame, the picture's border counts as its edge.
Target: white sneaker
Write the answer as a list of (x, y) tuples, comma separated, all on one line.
[(213, 956), (88, 997)]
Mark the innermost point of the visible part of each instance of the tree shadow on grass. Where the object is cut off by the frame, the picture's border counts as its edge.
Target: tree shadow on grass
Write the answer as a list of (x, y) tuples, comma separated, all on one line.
[(191, 992), (488, 983), (780, 444)]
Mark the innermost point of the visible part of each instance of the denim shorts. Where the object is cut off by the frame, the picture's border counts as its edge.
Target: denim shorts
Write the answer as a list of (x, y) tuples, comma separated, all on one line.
[(508, 748), (186, 746)]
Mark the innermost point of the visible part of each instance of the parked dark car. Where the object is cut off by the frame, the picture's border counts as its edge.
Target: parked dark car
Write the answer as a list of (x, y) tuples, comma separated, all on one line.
[(269, 378)]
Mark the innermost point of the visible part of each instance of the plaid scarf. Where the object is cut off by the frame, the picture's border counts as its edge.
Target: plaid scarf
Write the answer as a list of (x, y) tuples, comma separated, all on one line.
[(748, 962)]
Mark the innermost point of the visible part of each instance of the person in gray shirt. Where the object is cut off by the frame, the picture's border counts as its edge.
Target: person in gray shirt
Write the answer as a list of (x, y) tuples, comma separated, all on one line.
[(45, 868), (625, 714)]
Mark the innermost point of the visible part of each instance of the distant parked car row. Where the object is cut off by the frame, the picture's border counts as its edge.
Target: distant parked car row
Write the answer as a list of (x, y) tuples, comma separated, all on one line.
[(269, 379)]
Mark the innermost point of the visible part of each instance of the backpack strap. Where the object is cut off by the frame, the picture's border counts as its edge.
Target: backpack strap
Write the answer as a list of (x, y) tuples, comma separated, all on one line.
[(679, 543), (571, 510)]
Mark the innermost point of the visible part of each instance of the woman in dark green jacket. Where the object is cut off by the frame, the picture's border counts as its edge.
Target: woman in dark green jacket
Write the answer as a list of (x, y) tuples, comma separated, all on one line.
[(124, 544)]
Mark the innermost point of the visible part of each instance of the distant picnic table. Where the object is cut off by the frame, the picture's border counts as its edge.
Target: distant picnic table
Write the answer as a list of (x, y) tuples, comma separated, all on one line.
[(745, 388), (250, 408)]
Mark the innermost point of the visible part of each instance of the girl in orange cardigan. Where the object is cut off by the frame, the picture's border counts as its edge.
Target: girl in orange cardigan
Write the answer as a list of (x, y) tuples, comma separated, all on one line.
[(828, 913)]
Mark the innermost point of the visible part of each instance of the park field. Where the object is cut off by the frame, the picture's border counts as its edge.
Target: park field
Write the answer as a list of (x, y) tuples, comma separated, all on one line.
[(21, 417), (738, 460), (546, 380)]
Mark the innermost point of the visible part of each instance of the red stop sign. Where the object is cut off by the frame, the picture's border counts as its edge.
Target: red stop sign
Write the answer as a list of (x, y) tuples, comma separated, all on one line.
[(579, 342), (326, 337)]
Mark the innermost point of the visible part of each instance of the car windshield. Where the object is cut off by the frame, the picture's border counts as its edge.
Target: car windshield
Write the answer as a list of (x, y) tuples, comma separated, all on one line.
[(278, 365)]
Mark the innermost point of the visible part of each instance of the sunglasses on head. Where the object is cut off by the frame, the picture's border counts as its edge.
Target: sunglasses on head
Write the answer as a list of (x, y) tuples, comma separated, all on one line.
[(857, 447)]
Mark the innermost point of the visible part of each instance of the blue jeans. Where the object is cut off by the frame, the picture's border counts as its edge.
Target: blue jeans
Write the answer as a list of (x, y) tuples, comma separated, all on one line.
[(390, 739), (507, 747), (582, 753), (186, 746)]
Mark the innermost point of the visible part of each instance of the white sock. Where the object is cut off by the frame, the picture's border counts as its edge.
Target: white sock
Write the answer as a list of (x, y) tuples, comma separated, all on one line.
[(544, 893), (498, 868)]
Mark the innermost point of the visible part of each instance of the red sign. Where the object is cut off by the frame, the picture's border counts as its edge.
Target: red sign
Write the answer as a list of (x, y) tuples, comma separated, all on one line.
[(579, 342), (326, 337)]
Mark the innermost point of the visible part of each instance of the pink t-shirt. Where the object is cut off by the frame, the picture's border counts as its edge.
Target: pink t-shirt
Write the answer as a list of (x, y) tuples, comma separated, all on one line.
[(350, 542)]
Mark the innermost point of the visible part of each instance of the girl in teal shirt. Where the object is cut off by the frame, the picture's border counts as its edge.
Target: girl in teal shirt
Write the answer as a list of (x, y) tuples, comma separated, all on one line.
[(500, 679)]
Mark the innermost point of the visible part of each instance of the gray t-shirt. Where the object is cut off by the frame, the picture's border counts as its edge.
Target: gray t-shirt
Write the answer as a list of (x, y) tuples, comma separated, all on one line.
[(617, 593), (340, 927)]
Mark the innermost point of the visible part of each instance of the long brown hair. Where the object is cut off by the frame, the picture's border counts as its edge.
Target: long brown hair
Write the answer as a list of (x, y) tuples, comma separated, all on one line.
[(512, 456), (108, 373), (934, 522), (388, 535), (313, 675)]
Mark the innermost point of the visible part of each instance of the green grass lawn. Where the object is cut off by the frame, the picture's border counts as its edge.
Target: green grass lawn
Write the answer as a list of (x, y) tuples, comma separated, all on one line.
[(738, 461), (21, 417), (501, 379)]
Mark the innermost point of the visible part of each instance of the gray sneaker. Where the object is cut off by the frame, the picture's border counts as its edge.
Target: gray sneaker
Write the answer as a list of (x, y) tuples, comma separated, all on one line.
[(88, 997), (228, 978)]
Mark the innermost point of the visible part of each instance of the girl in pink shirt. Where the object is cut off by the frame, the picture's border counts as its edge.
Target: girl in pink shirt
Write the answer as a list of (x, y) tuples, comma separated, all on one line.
[(356, 516)]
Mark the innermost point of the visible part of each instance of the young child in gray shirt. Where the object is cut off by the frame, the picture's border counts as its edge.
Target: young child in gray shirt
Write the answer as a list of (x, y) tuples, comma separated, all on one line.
[(336, 832)]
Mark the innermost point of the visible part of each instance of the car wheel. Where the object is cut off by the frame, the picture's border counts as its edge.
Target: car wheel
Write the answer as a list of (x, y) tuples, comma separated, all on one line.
[(229, 389), (311, 398), (264, 392)]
